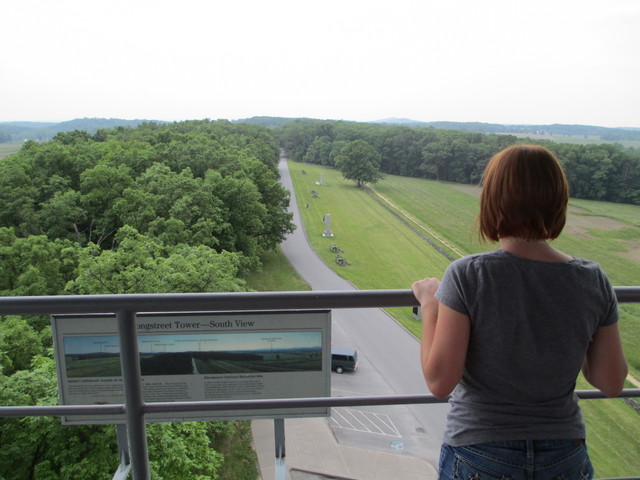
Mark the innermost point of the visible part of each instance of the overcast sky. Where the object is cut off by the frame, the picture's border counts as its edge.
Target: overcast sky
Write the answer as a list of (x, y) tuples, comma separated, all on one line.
[(498, 61)]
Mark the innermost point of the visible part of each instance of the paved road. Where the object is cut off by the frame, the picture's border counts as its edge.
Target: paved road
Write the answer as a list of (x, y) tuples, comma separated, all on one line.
[(388, 363)]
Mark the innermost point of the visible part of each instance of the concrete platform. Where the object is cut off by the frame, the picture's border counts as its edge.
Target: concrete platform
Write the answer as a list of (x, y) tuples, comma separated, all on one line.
[(312, 453)]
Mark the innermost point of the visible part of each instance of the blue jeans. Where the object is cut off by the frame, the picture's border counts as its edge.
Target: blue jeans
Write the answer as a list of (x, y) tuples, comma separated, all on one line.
[(517, 460)]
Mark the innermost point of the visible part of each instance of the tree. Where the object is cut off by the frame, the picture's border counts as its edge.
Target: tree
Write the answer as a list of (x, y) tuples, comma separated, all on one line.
[(17, 194), (243, 212), (35, 265), (140, 264), (62, 217), (276, 222), (100, 187), (360, 162), (31, 445), (135, 208), (19, 343), (319, 151)]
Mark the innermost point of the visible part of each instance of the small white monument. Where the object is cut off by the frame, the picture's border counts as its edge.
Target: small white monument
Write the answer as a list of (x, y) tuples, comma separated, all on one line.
[(327, 225)]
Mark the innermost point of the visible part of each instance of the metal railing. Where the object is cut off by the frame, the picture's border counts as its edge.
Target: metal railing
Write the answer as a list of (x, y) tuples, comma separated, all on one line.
[(126, 306)]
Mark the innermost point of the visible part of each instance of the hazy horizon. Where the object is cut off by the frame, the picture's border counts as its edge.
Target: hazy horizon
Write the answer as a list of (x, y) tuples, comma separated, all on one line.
[(399, 120)]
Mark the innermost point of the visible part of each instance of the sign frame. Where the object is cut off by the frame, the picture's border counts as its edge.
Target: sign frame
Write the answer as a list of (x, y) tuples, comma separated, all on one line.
[(197, 356)]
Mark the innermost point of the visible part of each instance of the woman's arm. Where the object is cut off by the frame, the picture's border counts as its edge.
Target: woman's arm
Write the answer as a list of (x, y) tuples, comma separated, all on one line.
[(604, 365), (445, 337)]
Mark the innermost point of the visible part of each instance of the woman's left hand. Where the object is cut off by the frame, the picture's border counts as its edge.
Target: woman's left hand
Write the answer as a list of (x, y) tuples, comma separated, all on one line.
[(425, 290)]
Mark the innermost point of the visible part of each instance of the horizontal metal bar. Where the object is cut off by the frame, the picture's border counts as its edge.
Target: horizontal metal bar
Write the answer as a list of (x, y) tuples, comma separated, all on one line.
[(627, 294), (597, 394), (620, 478), (286, 403), (289, 403), (163, 407), (61, 410), (182, 302)]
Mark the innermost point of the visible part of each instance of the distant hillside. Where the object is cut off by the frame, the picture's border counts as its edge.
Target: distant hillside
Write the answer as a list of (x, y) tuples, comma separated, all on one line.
[(20, 131), (604, 133), (266, 121)]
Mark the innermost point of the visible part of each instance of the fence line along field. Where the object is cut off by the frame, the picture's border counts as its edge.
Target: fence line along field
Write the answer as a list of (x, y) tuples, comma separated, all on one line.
[(384, 250)]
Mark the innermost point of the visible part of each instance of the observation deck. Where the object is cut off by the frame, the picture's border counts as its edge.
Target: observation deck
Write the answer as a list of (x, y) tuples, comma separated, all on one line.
[(134, 459)]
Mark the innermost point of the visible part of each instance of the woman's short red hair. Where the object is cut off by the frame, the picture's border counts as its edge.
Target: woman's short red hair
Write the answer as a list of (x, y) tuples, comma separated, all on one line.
[(524, 195)]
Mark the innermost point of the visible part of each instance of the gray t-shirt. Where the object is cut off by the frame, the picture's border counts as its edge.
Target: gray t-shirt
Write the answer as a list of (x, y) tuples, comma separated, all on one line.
[(531, 325)]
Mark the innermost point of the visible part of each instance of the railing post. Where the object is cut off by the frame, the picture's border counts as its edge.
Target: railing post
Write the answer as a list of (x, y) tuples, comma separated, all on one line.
[(280, 467), (134, 403), (123, 453)]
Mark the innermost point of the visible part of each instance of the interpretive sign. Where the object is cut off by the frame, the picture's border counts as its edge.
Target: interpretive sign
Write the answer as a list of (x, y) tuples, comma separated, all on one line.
[(197, 357)]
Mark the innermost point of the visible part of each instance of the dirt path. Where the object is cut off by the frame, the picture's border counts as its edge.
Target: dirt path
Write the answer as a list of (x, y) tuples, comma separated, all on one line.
[(633, 380), (414, 221)]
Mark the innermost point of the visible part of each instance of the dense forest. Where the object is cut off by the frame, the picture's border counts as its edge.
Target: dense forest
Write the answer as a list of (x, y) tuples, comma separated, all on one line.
[(183, 207), (605, 172), (602, 133)]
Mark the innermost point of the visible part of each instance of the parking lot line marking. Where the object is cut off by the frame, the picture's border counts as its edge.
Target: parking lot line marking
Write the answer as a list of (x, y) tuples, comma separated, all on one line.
[(364, 421)]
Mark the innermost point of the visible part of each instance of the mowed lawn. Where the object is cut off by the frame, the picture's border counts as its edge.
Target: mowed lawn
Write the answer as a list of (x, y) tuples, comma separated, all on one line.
[(384, 253)]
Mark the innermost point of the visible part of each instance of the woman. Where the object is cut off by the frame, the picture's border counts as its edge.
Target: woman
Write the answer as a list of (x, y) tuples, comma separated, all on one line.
[(508, 332)]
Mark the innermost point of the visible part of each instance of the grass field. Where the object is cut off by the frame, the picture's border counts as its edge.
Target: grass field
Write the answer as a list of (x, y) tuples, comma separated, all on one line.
[(9, 148), (384, 253), (277, 275), (93, 367), (579, 139)]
